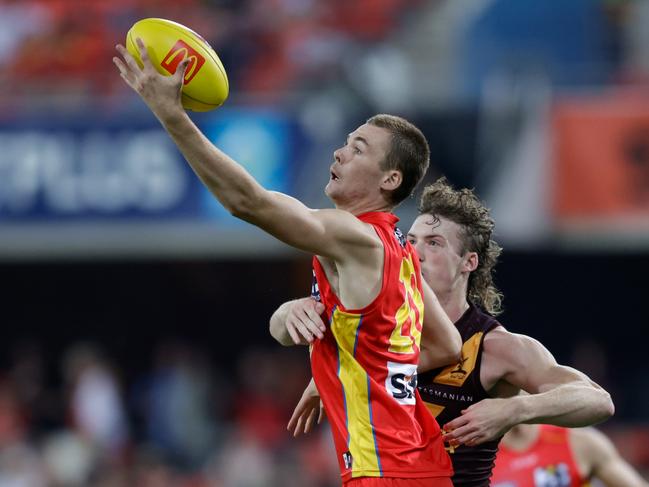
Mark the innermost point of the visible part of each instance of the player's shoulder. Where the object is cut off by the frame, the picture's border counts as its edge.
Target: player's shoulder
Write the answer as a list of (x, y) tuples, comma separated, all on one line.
[(348, 227), (590, 441), (511, 350), (501, 339)]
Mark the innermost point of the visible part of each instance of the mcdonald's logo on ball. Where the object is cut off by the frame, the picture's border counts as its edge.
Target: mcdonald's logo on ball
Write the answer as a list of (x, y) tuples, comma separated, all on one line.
[(178, 53)]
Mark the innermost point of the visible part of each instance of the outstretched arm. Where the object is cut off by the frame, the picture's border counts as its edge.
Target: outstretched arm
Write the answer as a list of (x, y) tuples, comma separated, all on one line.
[(601, 459), (297, 322), (558, 394), (323, 232), (441, 343)]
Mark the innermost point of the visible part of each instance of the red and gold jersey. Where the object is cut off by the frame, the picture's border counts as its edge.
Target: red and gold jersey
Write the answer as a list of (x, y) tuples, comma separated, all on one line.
[(365, 369), (548, 462)]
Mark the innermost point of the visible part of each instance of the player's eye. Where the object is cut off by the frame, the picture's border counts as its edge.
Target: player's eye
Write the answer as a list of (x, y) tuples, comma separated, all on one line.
[(357, 150)]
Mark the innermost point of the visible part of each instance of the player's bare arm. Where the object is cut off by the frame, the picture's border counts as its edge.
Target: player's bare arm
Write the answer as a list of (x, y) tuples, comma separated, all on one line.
[(596, 456), (297, 322), (441, 343), (557, 394), (334, 234)]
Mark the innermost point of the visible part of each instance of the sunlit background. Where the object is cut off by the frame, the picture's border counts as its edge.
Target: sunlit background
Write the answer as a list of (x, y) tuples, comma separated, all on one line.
[(135, 310)]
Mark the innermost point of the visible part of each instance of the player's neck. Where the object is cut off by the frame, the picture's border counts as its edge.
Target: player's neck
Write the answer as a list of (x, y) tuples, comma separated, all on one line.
[(455, 304), (358, 207)]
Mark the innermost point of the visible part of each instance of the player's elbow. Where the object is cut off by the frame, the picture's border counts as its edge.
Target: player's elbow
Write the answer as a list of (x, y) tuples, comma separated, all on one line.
[(240, 208), (246, 205), (432, 357), (601, 408), (455, 356), (454, 347), (608, 407)]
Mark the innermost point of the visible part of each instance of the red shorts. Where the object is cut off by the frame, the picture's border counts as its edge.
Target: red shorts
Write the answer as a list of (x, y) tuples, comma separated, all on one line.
[(399, 482)]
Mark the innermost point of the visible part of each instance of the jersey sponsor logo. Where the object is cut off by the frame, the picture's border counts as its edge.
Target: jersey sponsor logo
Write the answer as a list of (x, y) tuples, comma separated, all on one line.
[(456, 375), (178, 53), (552, 476), (315, 290), (450, 396), (402, 382), (348, 460)]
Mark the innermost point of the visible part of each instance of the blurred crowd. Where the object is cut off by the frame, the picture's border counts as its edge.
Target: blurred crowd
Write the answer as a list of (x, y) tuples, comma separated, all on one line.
[(66, 46), (329, 57), (181, 423)]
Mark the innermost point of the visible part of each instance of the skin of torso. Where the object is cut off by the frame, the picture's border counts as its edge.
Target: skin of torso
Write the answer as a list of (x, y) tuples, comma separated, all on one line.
[(356, 282)]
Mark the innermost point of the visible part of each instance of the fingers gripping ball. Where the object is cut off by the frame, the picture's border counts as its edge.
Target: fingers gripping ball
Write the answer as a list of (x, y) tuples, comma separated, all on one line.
[(168, 43)]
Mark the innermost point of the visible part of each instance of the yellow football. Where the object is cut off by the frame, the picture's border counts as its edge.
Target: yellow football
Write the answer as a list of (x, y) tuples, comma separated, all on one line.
[(205, 86)]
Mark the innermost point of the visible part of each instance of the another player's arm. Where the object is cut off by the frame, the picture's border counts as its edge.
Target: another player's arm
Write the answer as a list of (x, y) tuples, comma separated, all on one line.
[(558, 395), (329, 233), (297, 322), (441, 343), (595, 451)]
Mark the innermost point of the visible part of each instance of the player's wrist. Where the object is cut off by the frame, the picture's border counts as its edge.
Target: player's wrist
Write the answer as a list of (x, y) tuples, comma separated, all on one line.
[(171, 115), (311, 389), (519, 410)]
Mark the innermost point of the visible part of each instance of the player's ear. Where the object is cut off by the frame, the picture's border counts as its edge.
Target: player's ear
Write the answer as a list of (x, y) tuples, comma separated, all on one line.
[(391, 180), (471, 261)]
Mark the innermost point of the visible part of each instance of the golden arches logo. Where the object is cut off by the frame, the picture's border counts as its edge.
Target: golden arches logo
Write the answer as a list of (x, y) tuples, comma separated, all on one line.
[(180, 51)]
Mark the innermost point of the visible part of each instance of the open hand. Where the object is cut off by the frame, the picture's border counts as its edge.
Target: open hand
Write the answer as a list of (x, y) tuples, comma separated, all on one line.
[(161, 93), (483, 421), (307, 410)]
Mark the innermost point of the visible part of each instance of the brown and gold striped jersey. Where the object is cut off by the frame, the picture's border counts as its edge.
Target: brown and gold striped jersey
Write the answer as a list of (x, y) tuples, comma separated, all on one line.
[(447, 391)]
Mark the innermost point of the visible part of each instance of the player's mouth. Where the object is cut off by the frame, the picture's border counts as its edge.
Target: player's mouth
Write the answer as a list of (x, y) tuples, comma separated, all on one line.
[(334, 176)]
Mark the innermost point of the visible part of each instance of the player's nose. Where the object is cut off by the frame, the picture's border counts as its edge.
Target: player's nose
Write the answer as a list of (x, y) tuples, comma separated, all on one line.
[(418, 248), (337, 155)]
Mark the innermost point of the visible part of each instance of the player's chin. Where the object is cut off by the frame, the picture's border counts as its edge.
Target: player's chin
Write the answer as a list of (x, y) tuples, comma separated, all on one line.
[(331, 191)]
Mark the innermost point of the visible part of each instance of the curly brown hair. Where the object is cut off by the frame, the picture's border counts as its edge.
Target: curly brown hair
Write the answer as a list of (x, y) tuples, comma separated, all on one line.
[(463, 207)]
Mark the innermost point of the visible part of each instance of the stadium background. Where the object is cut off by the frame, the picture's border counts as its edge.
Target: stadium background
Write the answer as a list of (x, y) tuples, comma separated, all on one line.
[(135, 348)]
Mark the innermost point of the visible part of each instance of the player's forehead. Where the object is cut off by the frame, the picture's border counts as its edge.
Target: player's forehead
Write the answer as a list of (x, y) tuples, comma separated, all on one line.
[(371, 135), (426, 225)]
